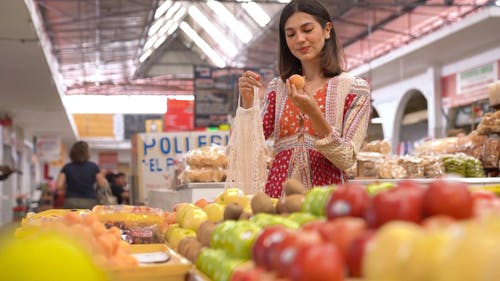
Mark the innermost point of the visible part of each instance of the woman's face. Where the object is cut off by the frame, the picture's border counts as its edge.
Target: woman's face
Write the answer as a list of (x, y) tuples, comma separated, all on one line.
[(305, 37)]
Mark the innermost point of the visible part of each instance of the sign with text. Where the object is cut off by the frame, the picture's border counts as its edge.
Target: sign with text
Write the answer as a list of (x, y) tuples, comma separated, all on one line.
[(216, 93), (468, 86), (158, 153)]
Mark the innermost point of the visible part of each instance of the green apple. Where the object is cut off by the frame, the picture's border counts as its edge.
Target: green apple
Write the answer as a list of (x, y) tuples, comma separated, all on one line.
[(218, 239), (216, 264), (193, 218), (215, 212), (302, 218), (240, 239), (263, 220), (315, 200), (376, 187)]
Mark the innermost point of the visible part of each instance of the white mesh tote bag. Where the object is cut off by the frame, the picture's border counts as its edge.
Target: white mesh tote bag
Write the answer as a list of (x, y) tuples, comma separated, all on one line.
[(246, 150)]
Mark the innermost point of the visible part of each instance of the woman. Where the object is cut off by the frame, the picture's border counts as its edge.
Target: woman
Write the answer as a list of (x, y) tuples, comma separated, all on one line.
[(77, 179), (318, 129)]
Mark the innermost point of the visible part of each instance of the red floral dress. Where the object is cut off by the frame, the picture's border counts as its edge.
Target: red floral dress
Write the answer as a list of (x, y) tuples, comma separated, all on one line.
[(295, 153)]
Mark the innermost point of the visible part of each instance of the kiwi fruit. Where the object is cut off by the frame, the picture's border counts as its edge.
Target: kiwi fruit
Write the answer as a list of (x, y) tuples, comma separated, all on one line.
[(233, 211), (193, 251), (262, 203), (205, 231), (293, 186), (293, 203), (183, 245), (245, 216), (281, 206)]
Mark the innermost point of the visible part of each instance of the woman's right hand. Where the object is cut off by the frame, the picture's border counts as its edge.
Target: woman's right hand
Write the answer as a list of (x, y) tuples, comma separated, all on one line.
[(246, 84)]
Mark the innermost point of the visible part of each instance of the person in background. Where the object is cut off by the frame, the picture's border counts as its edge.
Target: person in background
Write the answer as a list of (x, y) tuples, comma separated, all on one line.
[(118, 184), (317, 129), (6, 171), (77, 179)]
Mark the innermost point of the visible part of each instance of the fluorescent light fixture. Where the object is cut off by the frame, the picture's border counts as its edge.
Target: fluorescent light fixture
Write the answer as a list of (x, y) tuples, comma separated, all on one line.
[(213, 31), (145, 55), (156, 25), (160, 41), (132, 104), (284, 1), (151, 40), (257, 13), (218, 60), (180, 13), (173, 28), (163, 30), (228, 18), (172, 10), (163, 8)]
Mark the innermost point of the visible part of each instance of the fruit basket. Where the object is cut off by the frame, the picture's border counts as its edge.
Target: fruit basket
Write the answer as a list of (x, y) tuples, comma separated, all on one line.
[(169, 267)]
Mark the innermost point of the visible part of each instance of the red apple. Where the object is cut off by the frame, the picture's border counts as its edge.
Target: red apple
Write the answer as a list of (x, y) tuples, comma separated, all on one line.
[(354, 260), (347, 200), (266, 239), (313, 225), (343, 231), (403, 202), (283, 255), (317, 262), (449, 198)]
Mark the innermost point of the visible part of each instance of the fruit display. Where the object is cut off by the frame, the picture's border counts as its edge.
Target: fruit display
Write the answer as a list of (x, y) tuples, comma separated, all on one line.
[(341, 232), (404, 231), (138, 224)]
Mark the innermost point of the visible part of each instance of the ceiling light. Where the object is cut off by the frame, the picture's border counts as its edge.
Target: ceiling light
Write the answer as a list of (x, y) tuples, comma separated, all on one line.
[(162, 8), (203, 45), (172, 10), (150, 42), (163, 30), (284, 1), (145, 55), (228, 18), (160, 41), (158, 23), (179, 14), (172, 28), (112, 104), (497, 2), (213, 31), (376, 120), (257, 13)]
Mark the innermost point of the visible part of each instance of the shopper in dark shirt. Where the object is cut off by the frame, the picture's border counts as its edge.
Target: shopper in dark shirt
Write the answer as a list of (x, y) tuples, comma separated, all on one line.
[(77, 179), (119, 182), (6, 171)]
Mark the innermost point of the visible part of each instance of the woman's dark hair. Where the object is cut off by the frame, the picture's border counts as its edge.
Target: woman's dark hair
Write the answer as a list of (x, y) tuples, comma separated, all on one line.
[(332, 55), (79, 152)]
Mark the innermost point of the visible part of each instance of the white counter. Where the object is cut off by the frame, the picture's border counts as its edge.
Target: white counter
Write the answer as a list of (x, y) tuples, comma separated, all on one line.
[(166, 199)]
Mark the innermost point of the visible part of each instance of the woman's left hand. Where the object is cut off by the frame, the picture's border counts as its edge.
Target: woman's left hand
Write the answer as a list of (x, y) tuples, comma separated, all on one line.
[(302, 99)]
